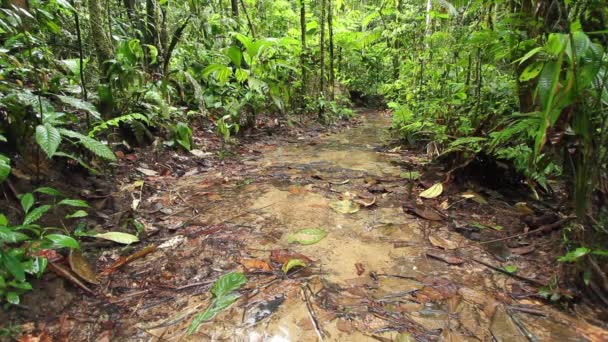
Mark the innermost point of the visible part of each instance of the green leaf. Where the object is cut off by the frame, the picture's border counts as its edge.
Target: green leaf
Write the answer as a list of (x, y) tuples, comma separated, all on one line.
[(62, 241), (49, 191), (413, 175), (345, 206), (12, 297), (9, 236), (119, 237), (27, 201), (97, 147), (228, 283), (3, 221), (5, 168), (77, 214), (36, 214), (510, 268), (531, 71), (80, 104), (574, 255), (307, 236), (293, 263), (74, 203), (48, 138), (13, 266), (235, 55)]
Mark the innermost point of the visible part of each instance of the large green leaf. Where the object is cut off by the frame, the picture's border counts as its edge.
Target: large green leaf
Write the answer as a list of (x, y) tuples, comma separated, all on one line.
[(48, 137), (5, 167), (27, 201), (80, 104), (36, 214), (74, 203), (235, 55), (13, 266), (228, 283), (9, 236), (62, 241), (97, 147)]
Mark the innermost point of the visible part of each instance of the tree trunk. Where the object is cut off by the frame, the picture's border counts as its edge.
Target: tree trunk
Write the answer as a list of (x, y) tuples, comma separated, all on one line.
[(332, 76), (303, 51), (322, 48), (234, 4), (102, 43)]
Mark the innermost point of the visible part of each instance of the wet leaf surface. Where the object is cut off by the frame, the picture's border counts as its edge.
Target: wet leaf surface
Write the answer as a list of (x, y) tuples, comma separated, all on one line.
[(82, 268), (307, 236)]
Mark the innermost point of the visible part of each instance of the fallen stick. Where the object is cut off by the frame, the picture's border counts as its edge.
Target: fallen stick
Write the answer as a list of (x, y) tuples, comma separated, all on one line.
[(498, 269), (311, 312), (540, 229)]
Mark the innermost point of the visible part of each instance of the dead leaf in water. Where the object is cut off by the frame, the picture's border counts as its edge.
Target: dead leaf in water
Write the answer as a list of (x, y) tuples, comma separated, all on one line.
[(307, 236), (344, 207), (81, 267), (256, 265), (442, 243), (450, 259), (293, 263), (366, 204), (432, 192), (281, 256)]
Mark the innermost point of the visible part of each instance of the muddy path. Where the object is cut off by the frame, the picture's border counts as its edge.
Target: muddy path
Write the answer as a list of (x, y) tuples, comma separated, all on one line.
[(381, 273)]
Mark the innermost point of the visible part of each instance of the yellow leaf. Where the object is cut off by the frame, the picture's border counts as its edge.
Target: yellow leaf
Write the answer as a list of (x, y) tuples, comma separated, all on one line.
[(433, 191)]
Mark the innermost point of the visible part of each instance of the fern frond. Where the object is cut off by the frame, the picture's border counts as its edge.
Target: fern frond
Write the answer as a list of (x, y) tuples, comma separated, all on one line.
[(97, 147)]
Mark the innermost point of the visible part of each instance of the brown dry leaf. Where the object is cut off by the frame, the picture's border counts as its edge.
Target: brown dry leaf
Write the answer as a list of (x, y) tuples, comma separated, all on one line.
[(360, 268), (450, 259), (523, 250), (345, 325), (427, 213), (322, 316), (256, 265), (474, 196), (282, 256), (523, 208), (366, 203), (473, 296), (442, 243), (444, 205), (297, 189), (82, 268)]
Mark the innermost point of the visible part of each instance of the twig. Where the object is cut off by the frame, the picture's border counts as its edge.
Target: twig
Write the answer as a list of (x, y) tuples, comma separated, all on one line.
[(311, 312), (540, 229), (530, 280)]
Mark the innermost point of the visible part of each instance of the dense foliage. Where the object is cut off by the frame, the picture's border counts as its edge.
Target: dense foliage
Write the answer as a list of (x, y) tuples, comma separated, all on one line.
[(519, 82)]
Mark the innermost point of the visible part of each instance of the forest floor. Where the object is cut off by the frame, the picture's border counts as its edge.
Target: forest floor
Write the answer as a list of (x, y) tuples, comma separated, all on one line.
[(392, 266)]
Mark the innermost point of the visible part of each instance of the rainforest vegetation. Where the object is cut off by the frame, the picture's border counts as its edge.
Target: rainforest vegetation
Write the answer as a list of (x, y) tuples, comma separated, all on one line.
[(513, 93)]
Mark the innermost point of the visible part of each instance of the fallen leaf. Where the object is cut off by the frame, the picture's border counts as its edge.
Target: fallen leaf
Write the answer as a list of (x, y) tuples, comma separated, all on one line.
[(344, 207), (450, 259), (424, 212), (81, 267), (360, 268), (523, 208), (366, 204), (119, 237), (432, 192), (147, 172), (281, 256), (293, 263), (523, 250), (474, 196), (256, 264), (200, 154), (307, 236), (297, 189), (339, 183), (442, 243)]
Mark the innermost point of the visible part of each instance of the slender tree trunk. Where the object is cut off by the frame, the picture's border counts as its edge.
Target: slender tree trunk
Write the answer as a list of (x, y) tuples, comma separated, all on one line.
[(101, 39), (151, 36), (303, 51), (332, 76), (251, 27), (234, 5), (83, 83), (322, 48)]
